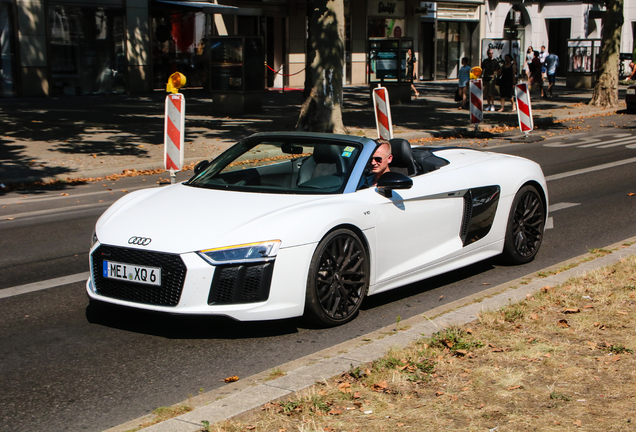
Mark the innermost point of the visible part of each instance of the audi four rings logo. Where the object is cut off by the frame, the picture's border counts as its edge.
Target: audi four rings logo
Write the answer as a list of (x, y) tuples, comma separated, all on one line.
[(140, 241)]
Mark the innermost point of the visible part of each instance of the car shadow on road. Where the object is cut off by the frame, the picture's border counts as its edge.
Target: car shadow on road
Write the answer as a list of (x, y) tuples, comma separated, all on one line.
[(428, 286), (185, 327)]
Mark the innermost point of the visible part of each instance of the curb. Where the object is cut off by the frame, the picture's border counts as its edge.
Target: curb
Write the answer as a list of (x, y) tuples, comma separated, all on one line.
[(253, 392)]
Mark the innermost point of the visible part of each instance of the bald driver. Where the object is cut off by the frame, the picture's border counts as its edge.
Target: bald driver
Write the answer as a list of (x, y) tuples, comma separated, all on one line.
[(379, 164)]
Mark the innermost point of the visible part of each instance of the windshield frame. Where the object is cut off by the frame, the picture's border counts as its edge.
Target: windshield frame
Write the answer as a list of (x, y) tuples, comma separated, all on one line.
[(221, 162)]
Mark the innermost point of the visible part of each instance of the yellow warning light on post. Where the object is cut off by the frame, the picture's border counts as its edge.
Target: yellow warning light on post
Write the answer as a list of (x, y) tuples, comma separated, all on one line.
[(175, 82), (475, 72)]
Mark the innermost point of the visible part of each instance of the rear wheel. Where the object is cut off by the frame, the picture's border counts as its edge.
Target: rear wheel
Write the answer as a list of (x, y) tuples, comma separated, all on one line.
[(526, 223), (338, 279)]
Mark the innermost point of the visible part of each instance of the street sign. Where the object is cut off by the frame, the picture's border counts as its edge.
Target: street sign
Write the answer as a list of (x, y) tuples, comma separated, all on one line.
[(174, 130), (382, 106)]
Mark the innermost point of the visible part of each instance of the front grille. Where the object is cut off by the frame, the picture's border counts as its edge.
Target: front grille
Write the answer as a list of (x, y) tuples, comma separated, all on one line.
[(173, 273), (241, 283)]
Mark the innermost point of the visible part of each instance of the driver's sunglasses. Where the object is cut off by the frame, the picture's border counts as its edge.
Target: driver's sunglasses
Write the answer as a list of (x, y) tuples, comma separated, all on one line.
[(377, 159)]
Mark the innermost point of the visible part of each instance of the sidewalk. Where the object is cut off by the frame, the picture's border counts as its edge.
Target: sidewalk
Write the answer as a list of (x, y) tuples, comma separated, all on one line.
[(95, 136)]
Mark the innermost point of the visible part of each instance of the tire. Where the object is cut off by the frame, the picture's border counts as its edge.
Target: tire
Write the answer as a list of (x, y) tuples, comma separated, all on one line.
[(526, 223), (338, 279)]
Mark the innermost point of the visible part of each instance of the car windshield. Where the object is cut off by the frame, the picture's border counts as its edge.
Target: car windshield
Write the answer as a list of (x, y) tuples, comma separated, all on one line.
[(286, 165)]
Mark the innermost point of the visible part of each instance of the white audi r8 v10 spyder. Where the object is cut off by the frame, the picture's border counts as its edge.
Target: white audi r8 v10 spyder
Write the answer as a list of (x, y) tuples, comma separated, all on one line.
[(283, 225)]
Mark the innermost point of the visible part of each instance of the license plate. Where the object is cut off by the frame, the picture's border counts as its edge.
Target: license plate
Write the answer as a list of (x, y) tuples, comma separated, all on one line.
[(132, 273), (631, 91)]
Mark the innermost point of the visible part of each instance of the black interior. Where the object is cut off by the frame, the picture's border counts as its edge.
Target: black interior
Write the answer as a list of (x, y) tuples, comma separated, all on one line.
[(413, 161)]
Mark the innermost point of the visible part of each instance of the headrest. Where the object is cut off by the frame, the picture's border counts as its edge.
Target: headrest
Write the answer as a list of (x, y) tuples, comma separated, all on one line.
[(325, 153), (402, 153)]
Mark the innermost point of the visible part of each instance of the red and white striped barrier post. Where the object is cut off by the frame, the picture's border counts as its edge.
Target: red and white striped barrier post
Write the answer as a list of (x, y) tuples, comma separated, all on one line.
[(524, 109), (382, 107), (174, 129), (476, 102)]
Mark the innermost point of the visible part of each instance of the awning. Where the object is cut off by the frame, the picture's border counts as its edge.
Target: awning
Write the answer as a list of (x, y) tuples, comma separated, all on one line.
[(204, 7)]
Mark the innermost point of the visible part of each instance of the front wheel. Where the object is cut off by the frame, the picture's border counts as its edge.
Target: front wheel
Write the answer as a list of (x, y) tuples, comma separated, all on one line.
[(526, 223), (338, 279)]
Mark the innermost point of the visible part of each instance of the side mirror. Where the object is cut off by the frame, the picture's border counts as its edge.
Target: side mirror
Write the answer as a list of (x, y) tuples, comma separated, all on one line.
[(393, 180), (201, 166)]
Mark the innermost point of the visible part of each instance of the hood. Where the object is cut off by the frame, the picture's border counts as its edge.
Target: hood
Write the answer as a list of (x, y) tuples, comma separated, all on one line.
[(180, 219)]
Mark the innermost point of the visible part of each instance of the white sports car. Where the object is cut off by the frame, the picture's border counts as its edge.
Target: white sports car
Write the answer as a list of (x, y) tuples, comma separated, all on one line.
[(281, 225)]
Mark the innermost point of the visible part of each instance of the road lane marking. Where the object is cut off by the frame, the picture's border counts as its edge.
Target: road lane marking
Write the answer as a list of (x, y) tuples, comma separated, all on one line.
[(42, 285), (36, 199), (590, 169), (561, 206), (53, 211), (619, 140)]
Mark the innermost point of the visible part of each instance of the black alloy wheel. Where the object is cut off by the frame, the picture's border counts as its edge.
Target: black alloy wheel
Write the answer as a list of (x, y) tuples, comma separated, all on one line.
[(525, 226), (338, 279)]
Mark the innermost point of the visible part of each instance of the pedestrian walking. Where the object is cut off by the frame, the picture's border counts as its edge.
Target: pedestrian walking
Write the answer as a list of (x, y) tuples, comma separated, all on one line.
[(542, 56), (536, 79), (464, 78), (489, 67), (551, 63), (507, 76), (410, 69), (528, 60)]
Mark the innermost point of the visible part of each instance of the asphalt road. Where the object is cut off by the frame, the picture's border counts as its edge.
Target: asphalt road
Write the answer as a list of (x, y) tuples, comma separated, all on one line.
[(66, 367)]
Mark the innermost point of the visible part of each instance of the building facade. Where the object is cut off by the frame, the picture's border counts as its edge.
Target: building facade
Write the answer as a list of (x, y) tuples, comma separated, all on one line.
[(80, 47)]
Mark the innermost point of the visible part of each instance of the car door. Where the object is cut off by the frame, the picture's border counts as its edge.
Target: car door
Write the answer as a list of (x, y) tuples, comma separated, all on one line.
[(417, 227)]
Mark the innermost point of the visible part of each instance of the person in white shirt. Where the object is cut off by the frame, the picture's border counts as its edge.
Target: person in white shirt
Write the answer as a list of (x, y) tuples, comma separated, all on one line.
[(542, 56)]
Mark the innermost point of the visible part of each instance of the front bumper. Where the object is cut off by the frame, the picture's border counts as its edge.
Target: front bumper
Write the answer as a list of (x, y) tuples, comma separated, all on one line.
[(263, 291)]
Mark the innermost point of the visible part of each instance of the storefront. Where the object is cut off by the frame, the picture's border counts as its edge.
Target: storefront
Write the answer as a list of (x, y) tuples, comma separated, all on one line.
[(456, 36), (86, 47)]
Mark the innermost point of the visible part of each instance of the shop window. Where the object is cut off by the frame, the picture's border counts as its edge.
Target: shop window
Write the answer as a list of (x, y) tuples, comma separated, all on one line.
[(181, 44), (86, 50), (7, 51)]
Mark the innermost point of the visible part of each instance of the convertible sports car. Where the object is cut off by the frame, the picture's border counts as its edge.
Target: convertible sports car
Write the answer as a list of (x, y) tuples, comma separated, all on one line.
[(281, 225)]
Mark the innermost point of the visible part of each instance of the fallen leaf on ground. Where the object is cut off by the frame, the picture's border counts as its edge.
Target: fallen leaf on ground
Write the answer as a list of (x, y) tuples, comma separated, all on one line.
[(534, 317), (571, 310), (514, 387), (563, 323), (344, 387), (231, 379), (381, 386)]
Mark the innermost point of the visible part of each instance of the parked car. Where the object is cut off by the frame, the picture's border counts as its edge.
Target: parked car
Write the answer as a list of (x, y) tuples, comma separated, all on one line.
[(280, 226)]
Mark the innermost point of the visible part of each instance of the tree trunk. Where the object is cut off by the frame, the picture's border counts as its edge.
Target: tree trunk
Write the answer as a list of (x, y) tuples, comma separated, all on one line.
[(321, 111), (606, 87)]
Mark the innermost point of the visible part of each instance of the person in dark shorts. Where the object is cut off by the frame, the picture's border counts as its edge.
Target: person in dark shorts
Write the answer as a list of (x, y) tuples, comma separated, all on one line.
[(489, 67), (410, 68), (506, 82), (551, 63)]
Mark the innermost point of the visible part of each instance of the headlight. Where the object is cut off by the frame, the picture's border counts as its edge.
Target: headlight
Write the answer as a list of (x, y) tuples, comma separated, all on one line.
[(250, 252), (94, 239)]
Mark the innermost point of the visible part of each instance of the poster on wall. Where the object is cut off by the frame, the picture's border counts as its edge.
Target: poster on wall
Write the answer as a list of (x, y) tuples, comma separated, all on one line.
[(501, 47)]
